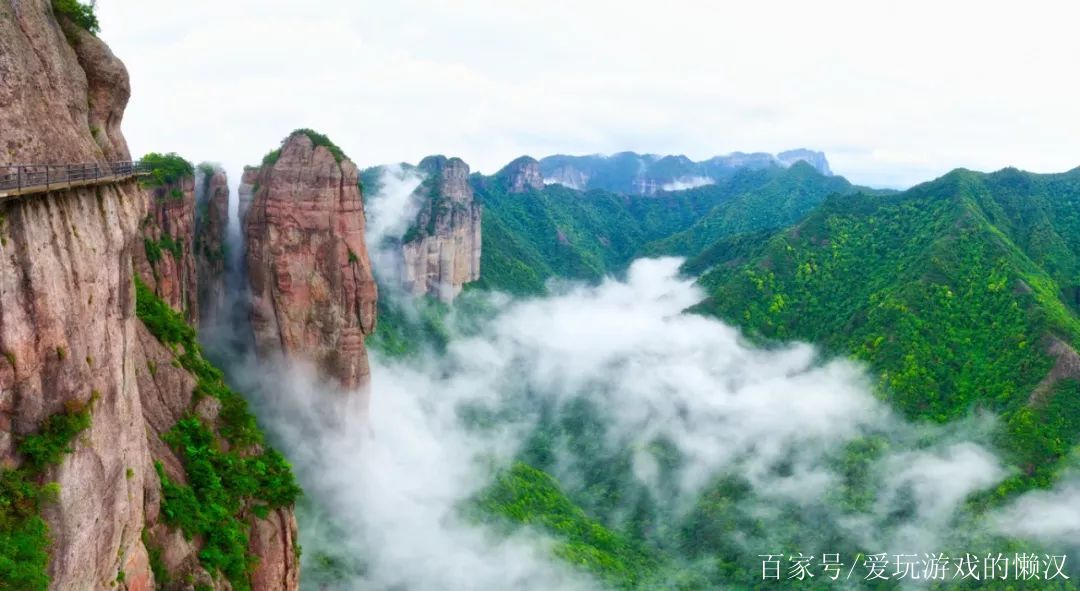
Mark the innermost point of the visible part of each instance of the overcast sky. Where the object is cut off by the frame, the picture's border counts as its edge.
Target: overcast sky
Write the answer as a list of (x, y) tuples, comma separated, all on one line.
[(895, 93)]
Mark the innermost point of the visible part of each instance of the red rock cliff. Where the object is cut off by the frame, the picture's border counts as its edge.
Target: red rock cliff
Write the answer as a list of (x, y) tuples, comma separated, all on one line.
[(313, 294), (211, 225), (69, 335), (166, 261)]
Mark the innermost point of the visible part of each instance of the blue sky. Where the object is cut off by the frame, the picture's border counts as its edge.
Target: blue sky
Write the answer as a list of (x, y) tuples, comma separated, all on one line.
[(894, 93)]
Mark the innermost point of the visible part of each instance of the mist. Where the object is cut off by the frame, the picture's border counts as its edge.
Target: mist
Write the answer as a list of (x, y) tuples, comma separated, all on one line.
[(684, 183), (386, 488)]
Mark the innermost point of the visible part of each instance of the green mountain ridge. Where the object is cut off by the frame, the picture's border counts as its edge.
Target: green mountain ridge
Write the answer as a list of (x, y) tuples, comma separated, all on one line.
[(531, 237), (959, 293)]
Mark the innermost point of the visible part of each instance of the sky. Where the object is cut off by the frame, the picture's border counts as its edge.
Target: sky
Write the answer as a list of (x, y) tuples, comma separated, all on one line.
[(894, 93)]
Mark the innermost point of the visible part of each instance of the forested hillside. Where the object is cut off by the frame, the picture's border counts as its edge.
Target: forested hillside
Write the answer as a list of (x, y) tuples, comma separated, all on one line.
[(559, 232), (960, 293)]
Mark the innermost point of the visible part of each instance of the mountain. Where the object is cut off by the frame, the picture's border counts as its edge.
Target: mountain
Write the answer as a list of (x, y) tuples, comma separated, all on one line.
[(534, 233), (211, 229), (440, 252), (313, 295), (960, 293), (754, 200), (649, 174), (126, 462)]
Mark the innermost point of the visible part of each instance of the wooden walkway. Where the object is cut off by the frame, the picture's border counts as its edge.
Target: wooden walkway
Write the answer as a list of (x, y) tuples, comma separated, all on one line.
[(20, 180)]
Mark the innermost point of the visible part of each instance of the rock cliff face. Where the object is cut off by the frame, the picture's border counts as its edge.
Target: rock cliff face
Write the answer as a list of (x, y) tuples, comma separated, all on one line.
[(313, 296), (166, 261), (441, 252), (245, 193), (70, 338), (211, 225), (522, 175)]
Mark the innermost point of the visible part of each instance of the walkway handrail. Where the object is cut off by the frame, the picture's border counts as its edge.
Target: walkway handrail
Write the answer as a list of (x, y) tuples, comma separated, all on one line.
[(25, 176)]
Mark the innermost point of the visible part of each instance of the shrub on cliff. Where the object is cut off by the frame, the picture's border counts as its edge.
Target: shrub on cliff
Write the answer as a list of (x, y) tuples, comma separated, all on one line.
[(78, 13), (24, 535), (166, 169), (316, 138), (226, 484)]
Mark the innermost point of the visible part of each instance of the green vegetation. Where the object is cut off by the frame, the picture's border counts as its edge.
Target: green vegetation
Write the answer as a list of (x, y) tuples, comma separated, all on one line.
[(78, 13), (271, 157), (49, 446), (525, 495), (953, 292), (157, 564), (958, 294), (155, 248), (166, 169), (226, 484), (24, 536), (316, 138), (558, 232), (759, 200)]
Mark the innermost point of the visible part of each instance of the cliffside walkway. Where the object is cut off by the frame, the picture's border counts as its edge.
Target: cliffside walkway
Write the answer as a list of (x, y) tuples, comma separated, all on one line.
[(19, 180)]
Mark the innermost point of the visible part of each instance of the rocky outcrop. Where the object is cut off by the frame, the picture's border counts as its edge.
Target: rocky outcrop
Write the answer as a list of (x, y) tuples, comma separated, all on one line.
[(62, 101), (811, 157), (245, 193), (211, 226), (313, 295), (522, 175), (441, 252), (166, 261), (69, 334)]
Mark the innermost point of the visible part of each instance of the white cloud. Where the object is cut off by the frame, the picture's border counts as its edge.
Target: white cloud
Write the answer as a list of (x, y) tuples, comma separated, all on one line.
[(894, 94), (684, 183), (1051, 516), (772, 417)]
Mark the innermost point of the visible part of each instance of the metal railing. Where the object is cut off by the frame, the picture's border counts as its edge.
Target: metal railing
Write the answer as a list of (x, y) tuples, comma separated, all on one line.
[(44, 176)]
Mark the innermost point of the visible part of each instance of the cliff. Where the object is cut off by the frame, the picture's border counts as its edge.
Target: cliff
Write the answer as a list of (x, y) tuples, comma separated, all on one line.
[(77, 407), (441, 252), (245, 193), (522, 175), (166, 263), (211, 226), (313, 296)]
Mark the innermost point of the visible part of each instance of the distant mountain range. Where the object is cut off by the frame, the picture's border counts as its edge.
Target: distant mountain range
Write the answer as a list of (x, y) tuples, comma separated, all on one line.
[(648, 174)]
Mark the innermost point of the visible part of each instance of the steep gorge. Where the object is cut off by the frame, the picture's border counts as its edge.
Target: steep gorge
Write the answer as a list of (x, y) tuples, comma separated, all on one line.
[(102, 387)]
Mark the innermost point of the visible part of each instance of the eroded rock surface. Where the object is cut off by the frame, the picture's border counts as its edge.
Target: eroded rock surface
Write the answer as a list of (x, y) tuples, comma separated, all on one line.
[(166, 261), (441, 252), (211, 226), (313, 296), (69, 335)]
